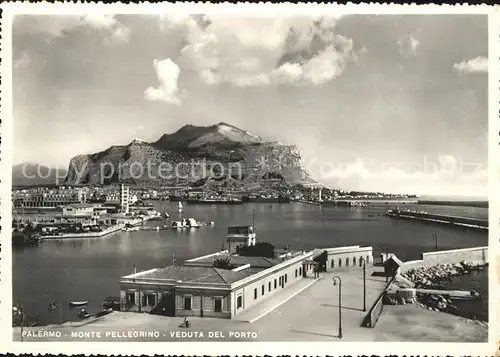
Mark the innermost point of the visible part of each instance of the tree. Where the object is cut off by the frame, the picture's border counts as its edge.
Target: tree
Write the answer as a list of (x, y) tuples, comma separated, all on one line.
[(260, 249), (223, 263)]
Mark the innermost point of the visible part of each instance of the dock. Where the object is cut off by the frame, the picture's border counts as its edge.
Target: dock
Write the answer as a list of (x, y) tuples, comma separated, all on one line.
[(439, 218), (452, 294)]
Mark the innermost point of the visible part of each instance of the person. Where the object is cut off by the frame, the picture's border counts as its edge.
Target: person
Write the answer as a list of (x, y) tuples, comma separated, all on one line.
[(186, 322)]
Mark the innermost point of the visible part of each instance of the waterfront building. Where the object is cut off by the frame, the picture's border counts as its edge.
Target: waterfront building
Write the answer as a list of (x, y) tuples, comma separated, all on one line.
[(343, 257), (48, 198), (224, 284), (79, 209)]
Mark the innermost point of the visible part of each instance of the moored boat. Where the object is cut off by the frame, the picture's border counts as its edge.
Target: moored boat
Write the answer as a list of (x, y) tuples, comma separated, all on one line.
[(84, 314), (78, 303)]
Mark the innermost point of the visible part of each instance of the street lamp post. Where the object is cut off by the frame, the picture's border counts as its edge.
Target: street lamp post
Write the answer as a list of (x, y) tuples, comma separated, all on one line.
[(435, 238), (335, 278), (364, 283)]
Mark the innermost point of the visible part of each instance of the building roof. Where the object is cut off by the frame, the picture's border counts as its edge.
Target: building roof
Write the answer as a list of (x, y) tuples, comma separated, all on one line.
[(193, 274), (238, 260)]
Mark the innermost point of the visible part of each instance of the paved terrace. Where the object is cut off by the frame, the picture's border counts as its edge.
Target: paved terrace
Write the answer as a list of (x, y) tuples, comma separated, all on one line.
[(308, 313), (305, 311)]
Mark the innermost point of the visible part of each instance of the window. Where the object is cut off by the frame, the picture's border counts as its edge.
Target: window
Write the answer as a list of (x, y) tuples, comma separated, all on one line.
[(354, 261), (269, 287), (286, 278), (275, 283), (367, 259), (187, 303), (346, 262), (218, 305), (148, 299), (333, 263), (263, 289), (239, 302), (255, 293), (340, 263), (295, 272), (300, 271), (361, 262)]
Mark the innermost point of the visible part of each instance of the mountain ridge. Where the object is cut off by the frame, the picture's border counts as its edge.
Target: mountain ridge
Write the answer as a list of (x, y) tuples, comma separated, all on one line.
[(209, 151)]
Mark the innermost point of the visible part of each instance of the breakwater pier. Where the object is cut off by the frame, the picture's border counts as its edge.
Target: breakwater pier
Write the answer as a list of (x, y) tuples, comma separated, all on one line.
[(439, 218)]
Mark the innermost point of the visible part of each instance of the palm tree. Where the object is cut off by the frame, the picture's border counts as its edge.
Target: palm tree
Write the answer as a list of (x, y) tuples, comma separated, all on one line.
[(223, 263)]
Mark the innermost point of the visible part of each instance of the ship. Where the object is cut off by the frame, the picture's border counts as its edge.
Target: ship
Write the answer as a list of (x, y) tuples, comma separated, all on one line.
[(215, 201), (176, 198), (267, 199)]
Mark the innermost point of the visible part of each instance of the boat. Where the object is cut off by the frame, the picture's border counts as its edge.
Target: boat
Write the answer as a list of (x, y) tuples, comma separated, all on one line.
[(84, 314), (78, 303), (215, 201), (130, 229)]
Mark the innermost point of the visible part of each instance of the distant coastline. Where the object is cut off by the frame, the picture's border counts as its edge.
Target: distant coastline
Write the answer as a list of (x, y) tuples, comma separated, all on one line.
[(482, 204)]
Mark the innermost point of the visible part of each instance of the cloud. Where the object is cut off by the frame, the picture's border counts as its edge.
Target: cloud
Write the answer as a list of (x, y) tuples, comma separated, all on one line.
[(168, 75), (58, 26), (439, 175), (254, 51), (474, 65), (408, 46), (23, 62)]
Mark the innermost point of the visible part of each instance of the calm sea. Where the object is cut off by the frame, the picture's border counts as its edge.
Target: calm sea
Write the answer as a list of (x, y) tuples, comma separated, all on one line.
[(89, 269)]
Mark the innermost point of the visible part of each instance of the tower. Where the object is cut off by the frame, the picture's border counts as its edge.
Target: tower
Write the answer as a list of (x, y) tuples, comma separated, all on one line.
[(240, 236), (124, 199)]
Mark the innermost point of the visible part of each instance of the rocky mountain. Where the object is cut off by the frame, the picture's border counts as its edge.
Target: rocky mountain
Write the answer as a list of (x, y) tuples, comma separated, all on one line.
[(31, 174), (193, 154)]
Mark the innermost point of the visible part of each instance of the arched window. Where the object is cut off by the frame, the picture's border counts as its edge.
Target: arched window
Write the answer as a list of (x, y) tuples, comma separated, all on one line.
[(367, 259), (354, 261), (361, 262), (333, 264), (346, 262), (340, 263)]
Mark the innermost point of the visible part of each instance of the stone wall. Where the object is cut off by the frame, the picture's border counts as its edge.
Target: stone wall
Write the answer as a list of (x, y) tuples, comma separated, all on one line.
[(472, 255)]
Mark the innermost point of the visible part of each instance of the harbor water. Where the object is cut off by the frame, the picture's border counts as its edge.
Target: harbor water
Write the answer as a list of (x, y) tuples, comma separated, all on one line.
[(89, 269)]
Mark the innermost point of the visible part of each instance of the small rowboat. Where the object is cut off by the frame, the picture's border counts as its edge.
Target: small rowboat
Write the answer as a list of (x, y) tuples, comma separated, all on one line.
[(78, 303), (84, 314)]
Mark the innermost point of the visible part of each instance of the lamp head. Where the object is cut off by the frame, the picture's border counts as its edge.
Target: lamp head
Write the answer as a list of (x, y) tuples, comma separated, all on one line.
[(335, 283)]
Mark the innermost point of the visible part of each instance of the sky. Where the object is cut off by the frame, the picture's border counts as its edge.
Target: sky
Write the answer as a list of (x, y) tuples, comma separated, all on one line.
[(393, 103)]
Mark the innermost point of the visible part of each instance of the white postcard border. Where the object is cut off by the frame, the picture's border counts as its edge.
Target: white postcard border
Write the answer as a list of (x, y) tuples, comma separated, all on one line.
[(247, 348)]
